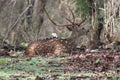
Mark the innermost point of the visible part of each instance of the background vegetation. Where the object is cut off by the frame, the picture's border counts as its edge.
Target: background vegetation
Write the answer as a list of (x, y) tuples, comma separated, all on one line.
[(25, 20)]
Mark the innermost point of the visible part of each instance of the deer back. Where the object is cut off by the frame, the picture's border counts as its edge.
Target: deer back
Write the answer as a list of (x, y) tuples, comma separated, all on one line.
[(42, 47)]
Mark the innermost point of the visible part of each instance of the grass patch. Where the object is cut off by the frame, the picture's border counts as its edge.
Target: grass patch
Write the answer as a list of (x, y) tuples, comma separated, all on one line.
[(29, 68)]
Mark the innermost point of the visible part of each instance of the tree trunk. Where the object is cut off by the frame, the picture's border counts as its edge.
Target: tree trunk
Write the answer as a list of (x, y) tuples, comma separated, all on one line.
[(38, 15), (97, 24)]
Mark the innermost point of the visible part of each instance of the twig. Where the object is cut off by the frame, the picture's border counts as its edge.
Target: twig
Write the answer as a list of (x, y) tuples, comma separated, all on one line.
[(14, 25)]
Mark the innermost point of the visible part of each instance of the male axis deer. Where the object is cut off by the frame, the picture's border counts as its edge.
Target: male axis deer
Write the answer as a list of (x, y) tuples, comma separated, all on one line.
[(57, 46)]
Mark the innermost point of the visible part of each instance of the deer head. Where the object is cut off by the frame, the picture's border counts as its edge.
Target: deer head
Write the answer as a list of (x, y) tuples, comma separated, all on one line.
[(76, 28)]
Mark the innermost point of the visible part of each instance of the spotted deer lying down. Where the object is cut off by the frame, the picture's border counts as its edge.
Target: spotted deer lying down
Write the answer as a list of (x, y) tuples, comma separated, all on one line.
[(55, 45)]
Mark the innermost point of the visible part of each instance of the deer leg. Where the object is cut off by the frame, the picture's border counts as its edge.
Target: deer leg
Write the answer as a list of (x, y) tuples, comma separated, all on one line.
[(60, 50)]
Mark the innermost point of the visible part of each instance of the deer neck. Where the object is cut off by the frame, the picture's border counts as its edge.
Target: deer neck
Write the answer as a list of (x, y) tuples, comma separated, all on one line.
[(71, 41)]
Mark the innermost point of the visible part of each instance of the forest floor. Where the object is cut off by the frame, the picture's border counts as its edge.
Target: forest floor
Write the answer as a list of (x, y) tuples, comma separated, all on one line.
[(102, 65)]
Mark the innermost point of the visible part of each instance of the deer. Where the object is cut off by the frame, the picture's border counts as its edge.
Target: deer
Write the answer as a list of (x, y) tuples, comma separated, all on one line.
[(58, 46)]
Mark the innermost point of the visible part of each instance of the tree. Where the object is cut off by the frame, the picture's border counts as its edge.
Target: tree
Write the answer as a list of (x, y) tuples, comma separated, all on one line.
[(38, 15), (20, 20), (90, 8)]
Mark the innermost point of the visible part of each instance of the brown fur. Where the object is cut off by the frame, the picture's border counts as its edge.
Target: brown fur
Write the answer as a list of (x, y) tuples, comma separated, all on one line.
[(42, 47)]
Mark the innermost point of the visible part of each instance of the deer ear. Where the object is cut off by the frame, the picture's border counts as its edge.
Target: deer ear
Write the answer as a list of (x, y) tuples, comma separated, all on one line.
[(69, 28)]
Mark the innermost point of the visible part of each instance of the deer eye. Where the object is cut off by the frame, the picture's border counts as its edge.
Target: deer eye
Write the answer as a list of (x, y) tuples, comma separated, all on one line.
[(83, 28)]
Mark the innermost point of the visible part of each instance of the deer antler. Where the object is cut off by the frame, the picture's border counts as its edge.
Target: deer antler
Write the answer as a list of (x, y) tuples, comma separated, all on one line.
[(81, 22), (53, 21), (72, 23), (73, 16)]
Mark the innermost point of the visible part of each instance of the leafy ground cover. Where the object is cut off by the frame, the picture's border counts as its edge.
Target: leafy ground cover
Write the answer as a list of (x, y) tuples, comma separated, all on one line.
[(82, 66)]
